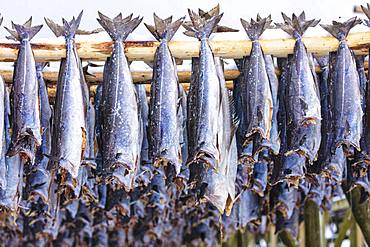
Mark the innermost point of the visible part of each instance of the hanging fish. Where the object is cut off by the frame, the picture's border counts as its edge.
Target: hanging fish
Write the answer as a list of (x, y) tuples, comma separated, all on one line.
[(39, 179), (365, 139), (274, 142), (303, 111), (347, 110), (164, 126), (204, 101), (144, 113), (256, 93), (121, 126), (220, 190), (26, 129), (69, 126), (12, 182)]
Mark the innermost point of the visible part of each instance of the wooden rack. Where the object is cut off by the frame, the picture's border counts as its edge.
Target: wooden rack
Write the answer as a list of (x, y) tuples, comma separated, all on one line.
[(144, 50)]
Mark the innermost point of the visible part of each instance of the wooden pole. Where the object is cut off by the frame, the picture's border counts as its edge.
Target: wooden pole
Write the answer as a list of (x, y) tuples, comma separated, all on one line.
[(137, 76), (312, 224), (54, 50), (360, 211)]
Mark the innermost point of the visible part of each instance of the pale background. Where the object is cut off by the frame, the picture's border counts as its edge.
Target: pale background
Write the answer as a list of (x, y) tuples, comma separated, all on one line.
[(20, 10)]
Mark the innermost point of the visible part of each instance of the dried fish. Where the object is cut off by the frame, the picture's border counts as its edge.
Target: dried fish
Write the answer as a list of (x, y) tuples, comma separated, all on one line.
[(256, 93), (69, 130), (26, 129), (164, 125), (302, 106), (347, 110), (121, 124)]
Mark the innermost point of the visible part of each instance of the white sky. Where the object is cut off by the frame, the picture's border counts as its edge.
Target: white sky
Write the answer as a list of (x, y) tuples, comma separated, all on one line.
[(20, 10)]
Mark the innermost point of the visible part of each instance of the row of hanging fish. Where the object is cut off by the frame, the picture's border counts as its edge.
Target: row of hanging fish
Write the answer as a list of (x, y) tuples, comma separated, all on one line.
[(121, 169)]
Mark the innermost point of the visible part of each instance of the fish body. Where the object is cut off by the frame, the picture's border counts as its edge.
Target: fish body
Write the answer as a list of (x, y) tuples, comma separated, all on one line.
[(39, 179), (120, 119), (144, 113), (221, 182), (204, 99), (26, 127), (164, 126), (347, 108), (69, 126), (12, 184)]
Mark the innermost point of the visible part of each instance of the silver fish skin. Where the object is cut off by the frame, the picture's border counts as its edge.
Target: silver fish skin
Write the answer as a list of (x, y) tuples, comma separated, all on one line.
[(221, 182), (144, 113), (3, 130), (347, 108), (302, 99), (45, 110), (205, 99), (69, 130), (274, 142), (39, 179), (120, 119), (257, 86), (10, 195), (164, 127), (182, 118), (26, 129), (89, 156)]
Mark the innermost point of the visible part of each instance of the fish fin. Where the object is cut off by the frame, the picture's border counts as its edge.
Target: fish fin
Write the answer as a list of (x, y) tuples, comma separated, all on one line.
[(340, 30), (41, 65), (1, 20), (224, 29), (55, 28), (24, 31), (69, 29), (118, 28), (255, 28), (214, 12), (233, 114), (163, 28), (201, 27), (366, 11), (297, 25), (28, 23), (90, 64)]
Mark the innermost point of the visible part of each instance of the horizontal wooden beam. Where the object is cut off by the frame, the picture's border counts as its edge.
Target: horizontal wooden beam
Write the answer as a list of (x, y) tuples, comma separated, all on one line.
[(137, 76), (54, 50), (52, 88)]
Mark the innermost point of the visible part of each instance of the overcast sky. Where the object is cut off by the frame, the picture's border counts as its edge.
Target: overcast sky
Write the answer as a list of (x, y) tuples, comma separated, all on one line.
[(20, 10)]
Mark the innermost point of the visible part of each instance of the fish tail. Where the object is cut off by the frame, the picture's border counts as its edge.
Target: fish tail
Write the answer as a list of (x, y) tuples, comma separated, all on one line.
[(201, 27), (340, 30), (365, 10), (255, 28), (25, 31), (68, 29), (163, 28), (119, 28), (297, 25)]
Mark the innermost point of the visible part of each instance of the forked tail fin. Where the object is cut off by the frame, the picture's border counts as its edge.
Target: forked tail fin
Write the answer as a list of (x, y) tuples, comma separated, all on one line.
[(119, 28), (201, 27), (25, 31), (69, 29), (255, 28), (340, 30), (297, 25), (164, 28)]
